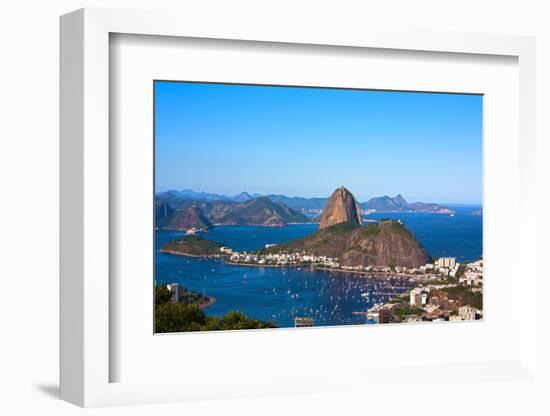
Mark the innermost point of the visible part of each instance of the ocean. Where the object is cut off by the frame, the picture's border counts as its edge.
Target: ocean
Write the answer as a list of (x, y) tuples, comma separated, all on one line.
[(281, 294)]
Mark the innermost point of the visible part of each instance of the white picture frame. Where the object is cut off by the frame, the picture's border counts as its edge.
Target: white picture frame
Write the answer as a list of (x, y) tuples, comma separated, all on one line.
[(86, 352)]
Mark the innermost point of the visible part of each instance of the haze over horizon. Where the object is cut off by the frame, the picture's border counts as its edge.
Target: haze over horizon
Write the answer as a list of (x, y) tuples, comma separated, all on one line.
[(256, 194), (306, 142)]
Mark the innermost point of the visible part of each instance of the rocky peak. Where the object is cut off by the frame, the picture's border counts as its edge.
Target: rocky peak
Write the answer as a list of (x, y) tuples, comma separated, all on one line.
[(341, 207)]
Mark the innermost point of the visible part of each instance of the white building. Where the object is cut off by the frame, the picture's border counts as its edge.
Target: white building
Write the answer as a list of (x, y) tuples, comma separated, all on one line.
[(418, 297), (174, 289), (471, 278), (448, 262), (467, 313)]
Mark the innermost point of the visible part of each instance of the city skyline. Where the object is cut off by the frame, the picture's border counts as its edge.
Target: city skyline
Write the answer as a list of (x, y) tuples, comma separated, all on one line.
[(227, 138)]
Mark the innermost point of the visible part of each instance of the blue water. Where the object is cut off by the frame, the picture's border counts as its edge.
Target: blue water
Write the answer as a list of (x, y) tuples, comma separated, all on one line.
[(280, 294), (445, 236)]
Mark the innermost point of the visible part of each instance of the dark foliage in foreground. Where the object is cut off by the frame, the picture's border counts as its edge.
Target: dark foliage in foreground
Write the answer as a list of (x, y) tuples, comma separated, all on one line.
[(179, 317)]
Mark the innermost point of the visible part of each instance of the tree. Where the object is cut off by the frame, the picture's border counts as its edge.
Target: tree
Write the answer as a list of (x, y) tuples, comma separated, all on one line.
[(177, 317), (162, 295), (460, 271)]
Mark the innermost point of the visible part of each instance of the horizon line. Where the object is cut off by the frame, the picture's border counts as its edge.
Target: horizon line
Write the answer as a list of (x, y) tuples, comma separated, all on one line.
[(312, 197)]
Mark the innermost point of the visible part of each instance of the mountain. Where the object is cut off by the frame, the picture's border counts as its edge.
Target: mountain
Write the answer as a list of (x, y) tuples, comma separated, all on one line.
[(386, 203), (429, 208), (341, 236), (187, 197), (162, 210), (299, 203), (192, 195), (386, 243), (184, 213), (399, 204), (242, 197), (188, 194), (168, 218), (341, 207), (257, 211)]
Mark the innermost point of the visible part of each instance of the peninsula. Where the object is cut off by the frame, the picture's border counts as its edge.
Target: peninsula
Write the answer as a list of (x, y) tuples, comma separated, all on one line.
[(194, 246)]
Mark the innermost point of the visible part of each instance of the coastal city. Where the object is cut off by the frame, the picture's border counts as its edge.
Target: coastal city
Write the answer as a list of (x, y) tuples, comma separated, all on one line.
[(444, 290), (441, 293), (315, 207)]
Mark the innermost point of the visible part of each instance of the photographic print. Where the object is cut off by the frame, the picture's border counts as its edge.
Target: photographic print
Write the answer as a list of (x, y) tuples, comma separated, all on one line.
[(291, 207)]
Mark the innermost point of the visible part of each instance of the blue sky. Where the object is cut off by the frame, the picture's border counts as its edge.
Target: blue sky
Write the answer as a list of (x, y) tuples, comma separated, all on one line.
[(224, 138)]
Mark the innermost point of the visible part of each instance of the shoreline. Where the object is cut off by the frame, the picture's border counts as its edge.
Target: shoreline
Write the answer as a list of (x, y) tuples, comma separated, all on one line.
[(263, 226), (378, 274), (200, 256), (371, 274), (267, 265)]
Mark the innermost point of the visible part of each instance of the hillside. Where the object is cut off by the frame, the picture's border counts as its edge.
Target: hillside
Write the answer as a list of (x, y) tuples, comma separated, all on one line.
[(257, 211), (184, 213), (399, 204), (168, 218), (387, 243)]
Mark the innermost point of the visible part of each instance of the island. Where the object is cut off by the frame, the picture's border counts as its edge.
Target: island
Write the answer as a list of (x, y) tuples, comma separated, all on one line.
[(399, 204), (194, 246)]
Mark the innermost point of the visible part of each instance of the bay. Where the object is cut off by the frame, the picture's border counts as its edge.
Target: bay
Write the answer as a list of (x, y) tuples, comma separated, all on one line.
[(281, 294)]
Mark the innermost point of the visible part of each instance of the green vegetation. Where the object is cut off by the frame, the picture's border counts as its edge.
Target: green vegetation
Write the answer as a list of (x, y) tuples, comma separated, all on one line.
[(371, 230), (162, 295), (399, 299), (234, 320), (404, 310), (460, 271), (341, 228), (194, 246), (440, 281), (464, 296), (177, 317), (184, 317), (400, 228)]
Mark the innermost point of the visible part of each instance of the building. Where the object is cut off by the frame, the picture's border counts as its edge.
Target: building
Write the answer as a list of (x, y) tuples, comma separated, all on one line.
[(424, 297), (467, 313), (174, 289), (448, 262), (415, 298), (302, 322), (418, 297), (471, 278)]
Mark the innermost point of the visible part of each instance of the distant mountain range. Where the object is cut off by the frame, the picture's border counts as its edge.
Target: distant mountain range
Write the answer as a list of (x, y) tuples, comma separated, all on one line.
[(399, 204), (181, 214), (179, 199)]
